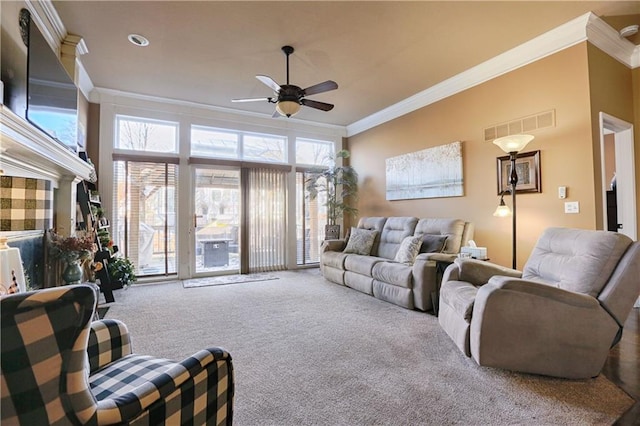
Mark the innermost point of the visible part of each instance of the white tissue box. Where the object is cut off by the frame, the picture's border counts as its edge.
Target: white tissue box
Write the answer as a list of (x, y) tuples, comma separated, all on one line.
[(475, 252)]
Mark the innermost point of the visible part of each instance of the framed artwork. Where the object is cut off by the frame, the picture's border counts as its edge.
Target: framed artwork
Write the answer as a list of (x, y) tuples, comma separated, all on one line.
[(528, 170), (430, 173)]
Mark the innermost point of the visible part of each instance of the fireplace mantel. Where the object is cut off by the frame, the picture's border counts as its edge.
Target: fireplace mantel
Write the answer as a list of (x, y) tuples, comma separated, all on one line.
[(27, 151)]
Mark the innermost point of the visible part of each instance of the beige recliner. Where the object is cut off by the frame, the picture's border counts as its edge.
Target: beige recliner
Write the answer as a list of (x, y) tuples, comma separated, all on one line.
[(558, 317)]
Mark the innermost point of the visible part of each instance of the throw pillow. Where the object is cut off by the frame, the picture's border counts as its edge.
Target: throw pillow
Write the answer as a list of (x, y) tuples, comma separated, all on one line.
[(361, 241), (433, 243), (408, 250)]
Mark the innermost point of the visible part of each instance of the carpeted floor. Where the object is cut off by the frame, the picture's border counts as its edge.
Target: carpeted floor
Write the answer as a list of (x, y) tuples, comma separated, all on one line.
[(309, 352), (227, 279)]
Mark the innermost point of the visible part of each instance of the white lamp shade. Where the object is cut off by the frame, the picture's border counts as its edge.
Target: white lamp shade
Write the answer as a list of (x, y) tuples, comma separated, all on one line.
[(513, 143), (288, 108), (502, 211)]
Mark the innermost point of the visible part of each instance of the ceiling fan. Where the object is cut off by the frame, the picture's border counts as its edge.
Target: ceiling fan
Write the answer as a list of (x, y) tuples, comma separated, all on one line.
[(290, 97)]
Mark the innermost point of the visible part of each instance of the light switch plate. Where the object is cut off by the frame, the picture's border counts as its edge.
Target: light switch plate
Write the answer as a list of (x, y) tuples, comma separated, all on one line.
[(572, 207), (562, 192)]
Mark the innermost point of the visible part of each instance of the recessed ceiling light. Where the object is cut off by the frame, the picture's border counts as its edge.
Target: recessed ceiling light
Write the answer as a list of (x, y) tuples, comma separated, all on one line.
[(138, 40), (629, 31)]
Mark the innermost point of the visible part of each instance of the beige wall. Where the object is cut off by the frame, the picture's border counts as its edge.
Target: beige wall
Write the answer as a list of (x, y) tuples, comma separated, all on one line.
[(559, 82), (611, 89)]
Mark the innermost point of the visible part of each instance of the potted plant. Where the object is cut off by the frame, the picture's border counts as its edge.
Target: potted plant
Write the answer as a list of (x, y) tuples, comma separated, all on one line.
[(122, 270), (338, 184), (73, 251)]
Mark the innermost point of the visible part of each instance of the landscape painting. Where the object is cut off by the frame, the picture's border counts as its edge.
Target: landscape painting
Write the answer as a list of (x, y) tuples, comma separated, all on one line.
[(430, 173)]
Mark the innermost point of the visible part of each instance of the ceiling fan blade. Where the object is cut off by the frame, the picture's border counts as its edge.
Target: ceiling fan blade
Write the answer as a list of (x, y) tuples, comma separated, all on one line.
[(251, 99), (276, 114), (317, 105), (269, 82), (325, 86)]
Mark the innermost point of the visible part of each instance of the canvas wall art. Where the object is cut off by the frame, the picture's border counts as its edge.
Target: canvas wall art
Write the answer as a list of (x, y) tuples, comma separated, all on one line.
[(430, 173)]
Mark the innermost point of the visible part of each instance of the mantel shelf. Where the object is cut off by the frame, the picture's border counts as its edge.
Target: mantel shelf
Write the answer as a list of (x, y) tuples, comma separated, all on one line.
[(27, 151)]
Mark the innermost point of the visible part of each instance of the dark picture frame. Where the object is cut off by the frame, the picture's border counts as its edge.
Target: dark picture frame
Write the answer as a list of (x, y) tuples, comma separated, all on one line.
[(528, 169)]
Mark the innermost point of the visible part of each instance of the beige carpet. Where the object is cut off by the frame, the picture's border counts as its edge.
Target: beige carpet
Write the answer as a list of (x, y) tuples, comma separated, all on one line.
[(309, 352)]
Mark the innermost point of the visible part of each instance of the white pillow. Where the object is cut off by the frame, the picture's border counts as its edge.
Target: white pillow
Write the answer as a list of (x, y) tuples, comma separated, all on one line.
[(409, 249), (361, 241)]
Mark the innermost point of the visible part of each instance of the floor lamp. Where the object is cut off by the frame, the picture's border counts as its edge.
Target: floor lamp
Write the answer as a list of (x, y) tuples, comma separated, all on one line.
[(512, 145)]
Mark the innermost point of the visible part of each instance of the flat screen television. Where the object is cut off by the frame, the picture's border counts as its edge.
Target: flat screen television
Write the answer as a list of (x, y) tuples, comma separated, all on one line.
[(52, 96)]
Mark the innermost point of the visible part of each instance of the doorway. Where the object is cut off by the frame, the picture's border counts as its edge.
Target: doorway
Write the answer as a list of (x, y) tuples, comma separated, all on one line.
[(618, 176), (216, 221)]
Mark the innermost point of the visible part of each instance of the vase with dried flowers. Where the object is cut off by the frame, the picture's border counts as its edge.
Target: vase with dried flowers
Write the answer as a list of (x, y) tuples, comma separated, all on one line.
[(72, 251)]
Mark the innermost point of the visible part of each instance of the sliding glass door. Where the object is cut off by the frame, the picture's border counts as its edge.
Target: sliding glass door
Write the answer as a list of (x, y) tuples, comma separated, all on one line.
[(216, 221), (145, 203)]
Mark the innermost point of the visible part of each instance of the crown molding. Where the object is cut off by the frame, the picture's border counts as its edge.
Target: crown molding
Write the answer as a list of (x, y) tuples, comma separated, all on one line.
[(607, 39), (585, 27)]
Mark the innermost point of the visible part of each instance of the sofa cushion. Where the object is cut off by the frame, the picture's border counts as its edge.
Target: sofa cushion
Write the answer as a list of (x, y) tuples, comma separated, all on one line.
[(433, 243), (361, 264), (459, 295), (452, 228), (395, 230), (394, 273), (408, 250), (360, 241), (373, 224)]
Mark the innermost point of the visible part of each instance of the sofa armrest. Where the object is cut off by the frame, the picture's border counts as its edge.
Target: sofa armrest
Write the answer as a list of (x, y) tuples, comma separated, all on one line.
[(333, 245), (479, 272), (206, 377), (552, 294), (108, 341), (437, 257)]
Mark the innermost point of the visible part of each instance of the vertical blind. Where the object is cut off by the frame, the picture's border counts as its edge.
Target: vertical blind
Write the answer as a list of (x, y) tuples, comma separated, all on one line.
[(267, 219)]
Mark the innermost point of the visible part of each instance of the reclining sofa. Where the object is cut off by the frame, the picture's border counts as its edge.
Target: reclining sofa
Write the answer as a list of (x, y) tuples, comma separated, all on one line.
[(407, 282)]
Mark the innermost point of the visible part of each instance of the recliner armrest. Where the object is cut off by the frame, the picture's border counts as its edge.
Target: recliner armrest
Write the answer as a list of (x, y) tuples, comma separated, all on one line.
[(535, 288), (108, 341), (479, 272)]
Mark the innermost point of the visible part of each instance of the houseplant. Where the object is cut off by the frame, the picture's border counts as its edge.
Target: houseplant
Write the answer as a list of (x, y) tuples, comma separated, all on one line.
[(73, 251), (122, 270), (339, 184)]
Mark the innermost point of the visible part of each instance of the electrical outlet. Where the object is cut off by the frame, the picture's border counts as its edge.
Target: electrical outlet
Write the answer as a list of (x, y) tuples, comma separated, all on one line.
[(562, 192), (572, 207)]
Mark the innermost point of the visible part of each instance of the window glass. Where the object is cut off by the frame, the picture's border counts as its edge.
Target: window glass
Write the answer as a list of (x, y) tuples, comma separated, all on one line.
[(139, 134), (264, 148), (317, 153), (209, 142)]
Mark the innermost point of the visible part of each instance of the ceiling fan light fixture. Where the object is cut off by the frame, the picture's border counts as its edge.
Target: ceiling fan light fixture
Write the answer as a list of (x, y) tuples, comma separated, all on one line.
[(287, 108)]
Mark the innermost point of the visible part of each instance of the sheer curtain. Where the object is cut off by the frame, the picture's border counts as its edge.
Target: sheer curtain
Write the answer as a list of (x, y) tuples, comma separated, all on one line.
[(267, 219)]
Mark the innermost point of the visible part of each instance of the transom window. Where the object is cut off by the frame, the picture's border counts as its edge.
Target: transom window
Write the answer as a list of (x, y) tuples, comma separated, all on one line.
[(314, 152), (217, 143), (141, 134)]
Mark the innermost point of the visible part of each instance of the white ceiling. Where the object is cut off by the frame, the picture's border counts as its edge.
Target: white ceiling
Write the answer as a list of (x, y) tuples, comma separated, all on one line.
[(379, 53)]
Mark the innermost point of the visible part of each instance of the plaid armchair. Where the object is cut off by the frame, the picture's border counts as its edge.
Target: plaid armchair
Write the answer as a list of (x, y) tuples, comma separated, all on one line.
[(59, 367)]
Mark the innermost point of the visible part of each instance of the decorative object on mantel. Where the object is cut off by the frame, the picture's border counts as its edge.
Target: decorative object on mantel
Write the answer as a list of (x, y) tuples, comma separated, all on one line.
[(430, 173), (337, 183), (73, 251), (513, 145)]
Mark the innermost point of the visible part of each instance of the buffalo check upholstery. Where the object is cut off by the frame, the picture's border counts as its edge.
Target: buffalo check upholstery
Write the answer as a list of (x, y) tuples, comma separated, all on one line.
[(59, 368)]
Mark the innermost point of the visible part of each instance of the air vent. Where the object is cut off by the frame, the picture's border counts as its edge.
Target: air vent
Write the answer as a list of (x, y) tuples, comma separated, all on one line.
[(521, 125)]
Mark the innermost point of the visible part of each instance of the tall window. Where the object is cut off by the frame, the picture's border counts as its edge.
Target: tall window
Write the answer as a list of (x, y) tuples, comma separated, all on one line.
[(311, 215), (267, 219), (145, 194), (146, 202)]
